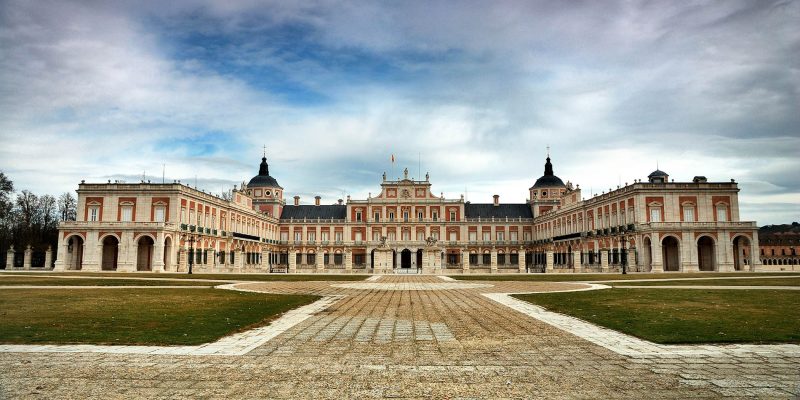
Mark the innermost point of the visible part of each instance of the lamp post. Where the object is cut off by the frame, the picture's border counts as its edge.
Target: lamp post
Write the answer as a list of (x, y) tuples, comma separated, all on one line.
[(191, 252), (624, 254)]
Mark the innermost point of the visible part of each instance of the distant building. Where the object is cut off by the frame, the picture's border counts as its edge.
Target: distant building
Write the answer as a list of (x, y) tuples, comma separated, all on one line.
[(653, 226), (779, 245)]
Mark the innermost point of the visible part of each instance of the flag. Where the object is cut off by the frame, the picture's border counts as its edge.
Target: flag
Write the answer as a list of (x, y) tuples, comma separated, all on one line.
[(392, 157)]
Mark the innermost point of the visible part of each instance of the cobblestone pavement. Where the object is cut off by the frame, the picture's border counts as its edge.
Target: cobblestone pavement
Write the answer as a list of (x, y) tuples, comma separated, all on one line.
[(388, 341)]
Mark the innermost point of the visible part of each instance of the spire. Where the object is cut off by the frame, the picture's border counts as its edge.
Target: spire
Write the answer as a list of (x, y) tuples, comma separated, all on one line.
[(548, 167), (263, 169)]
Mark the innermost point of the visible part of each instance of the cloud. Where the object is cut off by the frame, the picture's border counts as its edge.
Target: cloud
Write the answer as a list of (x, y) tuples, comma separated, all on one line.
[(472, 92)]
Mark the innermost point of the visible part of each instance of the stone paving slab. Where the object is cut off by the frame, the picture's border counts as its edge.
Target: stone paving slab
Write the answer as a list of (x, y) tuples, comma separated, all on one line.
[(373, 343)]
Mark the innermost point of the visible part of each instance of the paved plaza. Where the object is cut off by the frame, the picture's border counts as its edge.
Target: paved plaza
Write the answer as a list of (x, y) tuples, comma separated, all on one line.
[(409, 337)]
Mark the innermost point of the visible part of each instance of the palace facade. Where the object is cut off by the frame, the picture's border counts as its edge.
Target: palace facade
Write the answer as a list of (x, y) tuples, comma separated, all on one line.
[(655, 225)]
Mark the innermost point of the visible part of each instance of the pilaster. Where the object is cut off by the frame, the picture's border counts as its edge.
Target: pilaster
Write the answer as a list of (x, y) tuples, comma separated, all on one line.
[(548, 267), (521, 259), (158, 253), (293, 261), (494, 261), (10, 258), (604, 260), (48, 257), (576, 261)]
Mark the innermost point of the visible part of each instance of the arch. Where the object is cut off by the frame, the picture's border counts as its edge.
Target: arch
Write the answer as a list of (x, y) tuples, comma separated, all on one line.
[(706, 259), (671, 254), (143, 234), (144, 253), (74, 255), (167, 253), (742, 257), (648, 254), (103, 237), (110, 252), (405, 258)]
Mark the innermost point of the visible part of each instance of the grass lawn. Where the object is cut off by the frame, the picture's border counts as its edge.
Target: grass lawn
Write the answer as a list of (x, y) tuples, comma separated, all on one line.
[(224, 277), (716, 282), (135, 316), (555, 277), (685, 316), (10, 280)]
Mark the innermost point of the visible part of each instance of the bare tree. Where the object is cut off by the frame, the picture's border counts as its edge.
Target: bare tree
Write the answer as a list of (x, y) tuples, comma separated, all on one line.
[(226, 195), (48, 211), (67, 207), (27, 209)]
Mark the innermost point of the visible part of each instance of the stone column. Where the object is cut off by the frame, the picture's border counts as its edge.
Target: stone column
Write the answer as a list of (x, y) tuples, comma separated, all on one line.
[(27, 260), (632, 259), (158, 253), (604, 260), (320, 260), (656, 261), (127, 252), (240, 262), (548, 267), (61, 254), (10, 258), (48, 257), (465, 260), (493, 265), (292, 261), (689, 256), (183, 260), (576, 261), (755, 258), (348, 260), (521, 260), (265, 259), (724, 252)]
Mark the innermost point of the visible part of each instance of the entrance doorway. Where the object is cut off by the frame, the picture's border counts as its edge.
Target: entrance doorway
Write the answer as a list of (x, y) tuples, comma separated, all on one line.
[(419, 258), (110, 252), (405, 258)]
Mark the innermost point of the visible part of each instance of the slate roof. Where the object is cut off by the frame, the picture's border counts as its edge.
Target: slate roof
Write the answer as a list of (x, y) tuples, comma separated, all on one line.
[(263, 179), (333, 211), (475, 210)]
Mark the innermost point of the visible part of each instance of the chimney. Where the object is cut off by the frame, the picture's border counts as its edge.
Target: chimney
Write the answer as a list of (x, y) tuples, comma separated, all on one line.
[(297, 200), (341, 201), (496, 200), (316, 200)]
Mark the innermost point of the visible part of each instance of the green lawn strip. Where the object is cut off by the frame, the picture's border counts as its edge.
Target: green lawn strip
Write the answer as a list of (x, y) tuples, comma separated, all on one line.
[(135, 316), (225, 277), (56, 281), (671, 316), (716, 282), (608, 277)]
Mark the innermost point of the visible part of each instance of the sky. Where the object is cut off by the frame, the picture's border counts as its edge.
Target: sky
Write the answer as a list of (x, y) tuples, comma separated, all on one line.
[(472, 92)]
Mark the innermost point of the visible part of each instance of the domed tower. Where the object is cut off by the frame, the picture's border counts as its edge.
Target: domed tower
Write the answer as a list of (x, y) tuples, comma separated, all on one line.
[(267, 194), (547, 191), (658, 176)]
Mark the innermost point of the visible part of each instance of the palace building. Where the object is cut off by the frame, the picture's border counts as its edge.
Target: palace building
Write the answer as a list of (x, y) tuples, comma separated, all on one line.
[(656, 225)]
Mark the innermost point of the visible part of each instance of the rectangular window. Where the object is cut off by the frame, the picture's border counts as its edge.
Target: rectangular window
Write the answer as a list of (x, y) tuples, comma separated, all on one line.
[(94, 212), (376, 236), (391, 216), (501, 259), (487, 236), (722, 213), (325, 236), (377, 217), (435, 235), (501, 236), (405, 216), (473, 259), (655, 214), (160, 214), (452, 215), (420, 216), (420, 236), (391, 237), (127, 213), (285, 236), (526, 236), (688, 214), (435, 216), (358, 236), (298, 236), (513, 236), (312, 236), (453, 237), (487, 259), (358, 216), (473, 236), (338, 236), (406, 235)]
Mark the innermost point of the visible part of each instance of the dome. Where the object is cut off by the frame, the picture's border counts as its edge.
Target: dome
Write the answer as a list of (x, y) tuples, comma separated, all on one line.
[(658, 174), (263, 179), (548, 179)]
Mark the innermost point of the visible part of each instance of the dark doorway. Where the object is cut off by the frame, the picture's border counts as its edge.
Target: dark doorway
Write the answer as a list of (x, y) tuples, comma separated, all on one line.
[(110, 252), (419, 258), (405, 258)]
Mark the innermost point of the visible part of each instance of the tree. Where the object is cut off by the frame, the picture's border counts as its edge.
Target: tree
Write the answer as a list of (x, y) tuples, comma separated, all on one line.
[(6, 188), (48, 212), (226, 195), (67, 207)]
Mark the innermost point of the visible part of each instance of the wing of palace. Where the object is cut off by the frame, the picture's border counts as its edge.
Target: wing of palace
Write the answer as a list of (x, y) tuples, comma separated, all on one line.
[(654, 225)]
